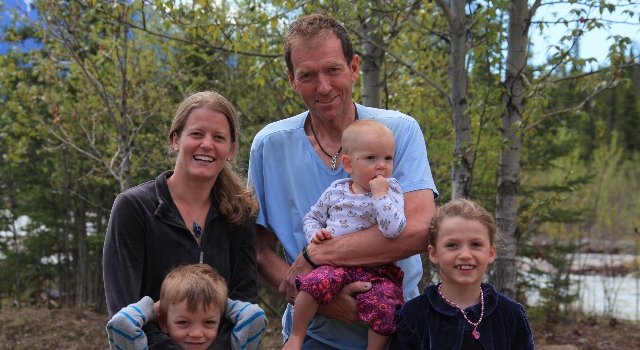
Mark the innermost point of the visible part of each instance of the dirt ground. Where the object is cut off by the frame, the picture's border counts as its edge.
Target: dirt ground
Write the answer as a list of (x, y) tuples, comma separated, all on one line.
[(43, 329)]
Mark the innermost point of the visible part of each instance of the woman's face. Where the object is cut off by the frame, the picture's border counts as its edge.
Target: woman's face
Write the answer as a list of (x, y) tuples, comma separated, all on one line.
[(204, 145)]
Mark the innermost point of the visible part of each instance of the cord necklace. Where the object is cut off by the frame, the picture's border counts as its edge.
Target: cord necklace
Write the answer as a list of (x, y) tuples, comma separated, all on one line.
[(334, 159)]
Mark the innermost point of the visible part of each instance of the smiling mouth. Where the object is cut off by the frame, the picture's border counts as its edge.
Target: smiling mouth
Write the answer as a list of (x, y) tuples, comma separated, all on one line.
[(204, 158), (465, 267), (327, 100)]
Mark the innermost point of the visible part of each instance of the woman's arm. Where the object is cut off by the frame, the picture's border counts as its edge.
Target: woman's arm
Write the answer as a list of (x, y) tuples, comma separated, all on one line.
[(243, 283), (123, 254)]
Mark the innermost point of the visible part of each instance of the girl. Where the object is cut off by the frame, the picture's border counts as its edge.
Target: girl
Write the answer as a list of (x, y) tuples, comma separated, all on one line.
[(462, 312)]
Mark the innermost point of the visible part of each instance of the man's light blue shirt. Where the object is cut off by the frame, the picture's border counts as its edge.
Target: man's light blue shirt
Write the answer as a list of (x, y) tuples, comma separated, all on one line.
[(288, 177)]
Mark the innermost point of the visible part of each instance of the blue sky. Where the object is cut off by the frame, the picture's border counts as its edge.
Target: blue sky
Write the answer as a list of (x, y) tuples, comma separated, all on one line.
[(5, 20), (595, 43)]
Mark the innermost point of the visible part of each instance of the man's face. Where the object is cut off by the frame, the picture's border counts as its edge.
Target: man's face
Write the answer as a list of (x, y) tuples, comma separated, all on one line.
[(322, 76)]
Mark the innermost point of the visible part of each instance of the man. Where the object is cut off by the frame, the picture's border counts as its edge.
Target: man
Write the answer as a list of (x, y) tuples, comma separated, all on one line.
[(292, 162)]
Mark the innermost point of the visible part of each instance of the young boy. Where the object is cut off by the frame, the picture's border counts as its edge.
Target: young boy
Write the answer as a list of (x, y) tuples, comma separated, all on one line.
[(462, 312), (370, 197), (193, 299)]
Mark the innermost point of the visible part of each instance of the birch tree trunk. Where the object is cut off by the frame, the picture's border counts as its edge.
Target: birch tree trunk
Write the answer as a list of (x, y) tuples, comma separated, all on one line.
[(462, 164), (372, 56), (506, 211)]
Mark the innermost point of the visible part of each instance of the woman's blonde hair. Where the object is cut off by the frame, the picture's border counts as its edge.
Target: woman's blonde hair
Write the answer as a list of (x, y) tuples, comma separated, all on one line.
[(235, 199), (466, 209), (197, 284)]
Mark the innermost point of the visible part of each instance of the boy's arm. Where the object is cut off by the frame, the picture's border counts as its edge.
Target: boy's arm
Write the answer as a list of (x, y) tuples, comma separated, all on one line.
[(125, 327), (249, 324)]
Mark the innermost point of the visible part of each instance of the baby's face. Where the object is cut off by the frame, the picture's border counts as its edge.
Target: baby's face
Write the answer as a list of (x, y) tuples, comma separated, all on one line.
[(372, 156), (192, 330)]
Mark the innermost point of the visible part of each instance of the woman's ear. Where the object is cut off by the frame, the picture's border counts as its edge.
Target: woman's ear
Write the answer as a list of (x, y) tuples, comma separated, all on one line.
[(232, 151), (174, 141)]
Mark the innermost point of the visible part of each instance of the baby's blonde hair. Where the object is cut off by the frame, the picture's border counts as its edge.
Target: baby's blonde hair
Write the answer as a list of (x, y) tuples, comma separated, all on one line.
[(198, 284), (352, 133)]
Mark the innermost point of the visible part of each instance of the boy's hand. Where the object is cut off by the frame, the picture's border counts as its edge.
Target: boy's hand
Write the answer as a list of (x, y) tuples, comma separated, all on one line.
[(321, 235), (379, 186), (156, 311)]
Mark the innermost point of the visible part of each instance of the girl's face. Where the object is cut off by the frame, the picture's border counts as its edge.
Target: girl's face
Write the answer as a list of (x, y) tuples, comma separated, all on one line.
[(192, 330), (204, 145), (463, 251), (372, 156)]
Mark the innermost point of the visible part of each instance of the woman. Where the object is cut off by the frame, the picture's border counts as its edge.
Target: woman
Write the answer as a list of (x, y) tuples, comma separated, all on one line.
[(199, 212)]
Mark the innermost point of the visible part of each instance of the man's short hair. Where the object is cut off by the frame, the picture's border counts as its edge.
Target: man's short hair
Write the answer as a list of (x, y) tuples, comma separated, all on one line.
[(307, 27)]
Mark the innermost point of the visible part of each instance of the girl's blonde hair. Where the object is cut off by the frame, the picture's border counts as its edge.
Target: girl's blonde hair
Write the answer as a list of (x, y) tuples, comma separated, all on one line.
[(236, 201), (197, 284), (466, 209)]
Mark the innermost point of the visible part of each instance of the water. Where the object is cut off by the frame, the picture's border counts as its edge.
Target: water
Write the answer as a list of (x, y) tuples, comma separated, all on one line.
[(612, 296)]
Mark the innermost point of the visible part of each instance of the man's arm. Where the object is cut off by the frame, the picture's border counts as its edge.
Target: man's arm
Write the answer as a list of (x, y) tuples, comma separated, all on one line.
[(369, 248), (271, 266)]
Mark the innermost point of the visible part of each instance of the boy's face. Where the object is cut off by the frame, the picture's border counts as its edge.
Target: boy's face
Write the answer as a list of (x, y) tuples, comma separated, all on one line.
[(192, 330), (372, 156), (463, 251)]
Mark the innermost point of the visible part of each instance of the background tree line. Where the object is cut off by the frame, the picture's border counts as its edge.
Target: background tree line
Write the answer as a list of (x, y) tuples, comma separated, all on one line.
[(551, 149)]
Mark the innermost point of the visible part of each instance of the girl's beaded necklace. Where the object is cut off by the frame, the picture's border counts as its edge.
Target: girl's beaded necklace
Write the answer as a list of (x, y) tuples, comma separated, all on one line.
[(474, 332)]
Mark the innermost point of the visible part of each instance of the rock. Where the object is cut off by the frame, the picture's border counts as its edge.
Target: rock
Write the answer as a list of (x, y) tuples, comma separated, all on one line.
[(558, 347)]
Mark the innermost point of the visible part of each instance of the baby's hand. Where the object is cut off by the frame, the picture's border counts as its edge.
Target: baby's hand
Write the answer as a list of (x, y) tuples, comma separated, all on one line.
[(321, 235), (379, 186)]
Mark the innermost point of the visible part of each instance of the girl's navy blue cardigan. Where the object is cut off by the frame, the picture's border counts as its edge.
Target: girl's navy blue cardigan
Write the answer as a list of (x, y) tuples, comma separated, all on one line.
[(428, 322)]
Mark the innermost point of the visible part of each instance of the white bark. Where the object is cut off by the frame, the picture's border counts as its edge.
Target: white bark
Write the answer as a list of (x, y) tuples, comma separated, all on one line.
[(462, 164), (506, 212), (372, 57)]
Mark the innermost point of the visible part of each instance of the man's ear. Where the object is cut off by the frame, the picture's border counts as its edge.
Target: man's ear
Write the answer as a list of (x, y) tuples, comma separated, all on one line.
[(346, 163), (355, 70), (292, 80)]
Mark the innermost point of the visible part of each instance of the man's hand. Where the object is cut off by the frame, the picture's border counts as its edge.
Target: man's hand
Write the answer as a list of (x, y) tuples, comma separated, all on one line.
[(321, 235), (287, 288), (343, 307)]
